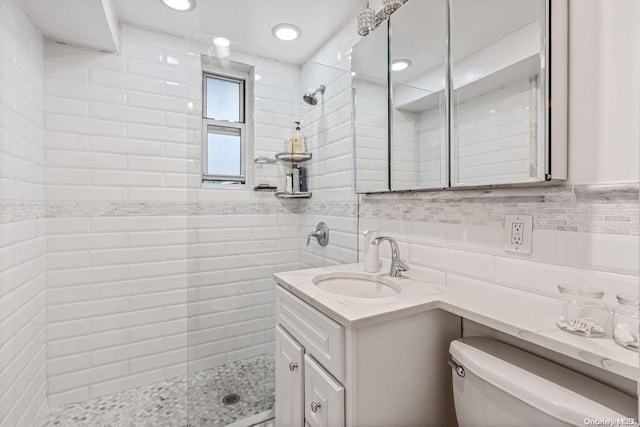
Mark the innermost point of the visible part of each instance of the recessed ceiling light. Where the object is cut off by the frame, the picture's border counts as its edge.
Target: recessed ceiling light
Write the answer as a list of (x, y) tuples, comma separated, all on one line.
[(286, 32), (221, 42), (400, 64), (181, 5)]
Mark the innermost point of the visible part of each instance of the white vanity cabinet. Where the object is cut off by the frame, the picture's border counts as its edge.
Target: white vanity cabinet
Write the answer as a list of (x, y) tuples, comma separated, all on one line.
[(289, 379), (391, 373), (305, 390)]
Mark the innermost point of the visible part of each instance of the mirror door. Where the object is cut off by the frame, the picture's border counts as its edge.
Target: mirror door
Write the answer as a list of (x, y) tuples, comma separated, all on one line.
[(469, 86), (370, 91), (418, 55), (498, 92)]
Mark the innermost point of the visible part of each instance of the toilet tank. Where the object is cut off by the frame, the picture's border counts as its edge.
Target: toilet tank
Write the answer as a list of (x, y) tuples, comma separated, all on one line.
[(500, 385)]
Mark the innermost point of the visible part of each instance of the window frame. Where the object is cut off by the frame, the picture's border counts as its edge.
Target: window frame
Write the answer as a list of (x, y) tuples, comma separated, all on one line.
[(242, 77)]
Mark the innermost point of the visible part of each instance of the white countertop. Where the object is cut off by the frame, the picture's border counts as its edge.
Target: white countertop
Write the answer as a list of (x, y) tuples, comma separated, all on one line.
[(519, 318)]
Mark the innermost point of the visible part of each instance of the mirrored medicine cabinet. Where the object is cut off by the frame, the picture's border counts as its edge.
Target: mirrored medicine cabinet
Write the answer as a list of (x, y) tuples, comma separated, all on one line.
[(458, 94)]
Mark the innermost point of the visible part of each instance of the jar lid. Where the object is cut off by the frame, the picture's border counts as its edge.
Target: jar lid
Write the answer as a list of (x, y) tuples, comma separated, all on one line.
[(628, 299), (580, 290)]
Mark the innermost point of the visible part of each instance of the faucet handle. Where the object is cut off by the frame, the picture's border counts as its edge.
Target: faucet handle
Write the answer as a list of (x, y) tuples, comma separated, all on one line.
[(397, 267), (310, 235), (401, 265), (321, 234)]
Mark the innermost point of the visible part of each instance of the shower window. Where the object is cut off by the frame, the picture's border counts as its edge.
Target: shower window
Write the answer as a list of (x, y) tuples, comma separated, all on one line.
[(223, 152), (224, 129)]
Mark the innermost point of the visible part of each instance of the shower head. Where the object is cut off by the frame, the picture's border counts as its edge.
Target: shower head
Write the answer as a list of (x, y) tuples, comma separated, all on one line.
[(310, 97)]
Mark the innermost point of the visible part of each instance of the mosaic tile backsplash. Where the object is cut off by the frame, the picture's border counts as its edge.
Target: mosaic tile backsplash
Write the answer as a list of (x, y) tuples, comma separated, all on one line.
[(608, 209)]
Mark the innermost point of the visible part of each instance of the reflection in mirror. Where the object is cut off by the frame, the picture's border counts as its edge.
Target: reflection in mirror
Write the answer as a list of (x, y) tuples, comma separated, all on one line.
[(418, 53), (369, 79), (498, 105)]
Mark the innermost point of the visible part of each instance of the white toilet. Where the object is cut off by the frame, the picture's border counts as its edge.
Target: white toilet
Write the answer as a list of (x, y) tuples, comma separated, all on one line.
[(495, 384)]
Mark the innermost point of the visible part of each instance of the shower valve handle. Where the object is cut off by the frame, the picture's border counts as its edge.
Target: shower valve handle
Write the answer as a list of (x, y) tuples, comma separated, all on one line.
[(321, 234)]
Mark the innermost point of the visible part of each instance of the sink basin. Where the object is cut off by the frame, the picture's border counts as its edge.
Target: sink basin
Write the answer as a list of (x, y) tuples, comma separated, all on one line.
[(359, 285)]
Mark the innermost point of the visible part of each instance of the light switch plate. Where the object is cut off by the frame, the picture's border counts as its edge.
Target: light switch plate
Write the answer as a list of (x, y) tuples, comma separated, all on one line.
[(518, 231)]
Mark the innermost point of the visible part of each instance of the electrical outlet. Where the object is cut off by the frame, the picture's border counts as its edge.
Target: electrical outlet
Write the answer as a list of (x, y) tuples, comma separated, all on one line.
[(518, 231), (517, 228)]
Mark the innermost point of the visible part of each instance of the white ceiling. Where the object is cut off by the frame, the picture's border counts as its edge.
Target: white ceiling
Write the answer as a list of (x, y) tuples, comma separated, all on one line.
[(92, 23), (248, 23)]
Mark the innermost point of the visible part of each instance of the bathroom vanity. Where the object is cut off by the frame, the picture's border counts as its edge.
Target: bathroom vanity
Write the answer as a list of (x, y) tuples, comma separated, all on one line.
[(389, 373), (377, 354)]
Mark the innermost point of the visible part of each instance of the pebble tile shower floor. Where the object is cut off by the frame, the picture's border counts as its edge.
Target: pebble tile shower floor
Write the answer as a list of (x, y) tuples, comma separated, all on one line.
[(165, 403)]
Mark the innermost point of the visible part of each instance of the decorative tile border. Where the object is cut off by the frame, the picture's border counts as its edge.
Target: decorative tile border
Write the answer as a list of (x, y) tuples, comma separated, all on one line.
[(248, 208), (115, 209), (118, 209), (608, 209), (108, 209), (342, 209), (16, 211)]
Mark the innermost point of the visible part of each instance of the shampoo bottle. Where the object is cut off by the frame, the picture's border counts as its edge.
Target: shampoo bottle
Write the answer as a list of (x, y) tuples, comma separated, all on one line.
[(288, 182), (298, 140), (303, 180), (295, 175)]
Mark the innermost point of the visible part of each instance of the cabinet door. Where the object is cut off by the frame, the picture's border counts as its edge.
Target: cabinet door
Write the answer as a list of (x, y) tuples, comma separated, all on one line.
[(289, 380), (320, 336), (323, 397)]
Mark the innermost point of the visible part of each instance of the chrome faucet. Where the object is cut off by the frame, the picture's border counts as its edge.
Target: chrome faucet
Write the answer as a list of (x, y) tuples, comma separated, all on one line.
[(397, 265)]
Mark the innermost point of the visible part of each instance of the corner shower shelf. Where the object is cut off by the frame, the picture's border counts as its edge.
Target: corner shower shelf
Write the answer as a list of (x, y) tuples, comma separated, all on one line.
[(264, 161), (293, 157), (298, 195)]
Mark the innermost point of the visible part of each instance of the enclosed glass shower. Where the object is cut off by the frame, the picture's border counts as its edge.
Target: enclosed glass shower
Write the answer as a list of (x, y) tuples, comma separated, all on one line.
[(237, 238), (161, 301)]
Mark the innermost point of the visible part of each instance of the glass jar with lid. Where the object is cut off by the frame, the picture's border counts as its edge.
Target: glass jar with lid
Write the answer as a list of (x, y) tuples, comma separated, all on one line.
[(626, 321), (581, 310)]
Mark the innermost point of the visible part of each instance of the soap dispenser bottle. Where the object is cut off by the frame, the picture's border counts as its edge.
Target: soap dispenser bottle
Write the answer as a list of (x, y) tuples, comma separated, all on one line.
[(371, 252), (298, 140)]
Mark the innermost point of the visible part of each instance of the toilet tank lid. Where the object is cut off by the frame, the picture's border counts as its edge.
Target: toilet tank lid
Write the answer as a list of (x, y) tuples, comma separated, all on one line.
[(548, 387)]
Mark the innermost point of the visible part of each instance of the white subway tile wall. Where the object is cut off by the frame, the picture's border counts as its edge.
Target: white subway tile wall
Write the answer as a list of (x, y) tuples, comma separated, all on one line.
[(475, 253), (22, 224), (371, 133), (327, 127), (406, 151), (145, 274), (432, 153), (493, 129)]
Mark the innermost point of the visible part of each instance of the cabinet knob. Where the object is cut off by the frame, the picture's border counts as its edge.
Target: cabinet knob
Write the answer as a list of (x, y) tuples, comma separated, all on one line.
[(314, 407), (292, 366)]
